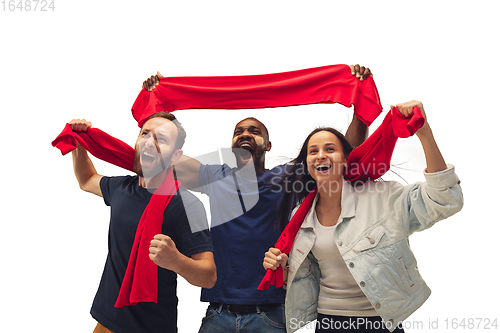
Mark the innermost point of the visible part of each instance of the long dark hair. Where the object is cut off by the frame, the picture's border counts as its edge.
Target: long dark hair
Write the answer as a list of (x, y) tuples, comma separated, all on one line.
[(297, 182)]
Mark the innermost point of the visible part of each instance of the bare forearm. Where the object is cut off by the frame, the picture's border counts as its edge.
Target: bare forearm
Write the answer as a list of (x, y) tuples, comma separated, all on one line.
[(201, 273), (187, 170), (357, 132), (433, 157), (82, 165), (85, 172)]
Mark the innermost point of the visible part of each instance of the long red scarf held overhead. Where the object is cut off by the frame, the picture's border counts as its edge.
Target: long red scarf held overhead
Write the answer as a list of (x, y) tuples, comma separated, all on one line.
[(328, 84), (369, 161)]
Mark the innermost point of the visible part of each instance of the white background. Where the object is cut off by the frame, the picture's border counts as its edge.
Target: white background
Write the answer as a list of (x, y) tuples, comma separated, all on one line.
[(87, 59)]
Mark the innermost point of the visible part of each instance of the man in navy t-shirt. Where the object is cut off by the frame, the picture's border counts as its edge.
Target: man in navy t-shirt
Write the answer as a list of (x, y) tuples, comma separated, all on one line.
[(177, 250), (244, 202)]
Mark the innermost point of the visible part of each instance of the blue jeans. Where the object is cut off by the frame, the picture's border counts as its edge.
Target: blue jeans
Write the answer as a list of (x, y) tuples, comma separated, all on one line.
[(219, 321)]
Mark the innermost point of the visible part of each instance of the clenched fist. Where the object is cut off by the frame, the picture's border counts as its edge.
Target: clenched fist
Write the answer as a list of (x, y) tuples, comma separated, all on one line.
[(274, 258), (80, 125), (406, 109), (164, 253), (152, 82)]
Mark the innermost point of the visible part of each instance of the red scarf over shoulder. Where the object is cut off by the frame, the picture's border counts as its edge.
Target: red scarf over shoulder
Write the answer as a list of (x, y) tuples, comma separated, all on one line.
[(328, 84)]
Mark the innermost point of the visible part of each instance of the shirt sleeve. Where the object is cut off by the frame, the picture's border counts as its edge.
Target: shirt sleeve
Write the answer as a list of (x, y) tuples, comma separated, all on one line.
[(108, 186), (421, 205), (209, 174)]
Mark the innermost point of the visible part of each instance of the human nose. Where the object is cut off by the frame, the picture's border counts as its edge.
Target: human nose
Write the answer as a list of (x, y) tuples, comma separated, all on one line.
[(320, 155), (149, 141), (245, 133)]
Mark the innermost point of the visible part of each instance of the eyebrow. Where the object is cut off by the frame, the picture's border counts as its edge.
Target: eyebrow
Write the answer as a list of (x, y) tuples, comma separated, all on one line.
[(326, 144), (155, 137), (160, 135), (249, 127)]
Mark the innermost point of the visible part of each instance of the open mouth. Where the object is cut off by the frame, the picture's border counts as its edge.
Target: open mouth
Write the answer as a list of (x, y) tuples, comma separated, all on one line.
[(244, 151), (322, 167), (245, 155), (147, 158), (246, 146)]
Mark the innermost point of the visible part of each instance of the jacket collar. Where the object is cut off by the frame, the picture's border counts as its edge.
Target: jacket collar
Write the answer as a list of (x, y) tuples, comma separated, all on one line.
[(349, 201)]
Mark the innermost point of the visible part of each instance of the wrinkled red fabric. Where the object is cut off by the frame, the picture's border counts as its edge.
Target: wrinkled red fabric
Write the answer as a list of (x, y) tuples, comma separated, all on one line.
[(140, 283), (327, 84), (372, 158), (285, 241), (377, 151), (99, 144)]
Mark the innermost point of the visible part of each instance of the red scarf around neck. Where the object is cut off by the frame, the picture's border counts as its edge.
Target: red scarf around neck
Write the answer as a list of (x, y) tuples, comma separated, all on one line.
[(369, 161), (328, 84), (140, 283)]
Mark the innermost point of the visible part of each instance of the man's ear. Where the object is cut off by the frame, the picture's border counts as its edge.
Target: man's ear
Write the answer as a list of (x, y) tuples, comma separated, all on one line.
[(176, 155), (268, 146)]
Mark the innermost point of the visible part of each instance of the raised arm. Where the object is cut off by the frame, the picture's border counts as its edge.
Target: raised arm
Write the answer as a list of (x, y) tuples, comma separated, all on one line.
[(187, 172), (357, 132), (420, 205), (85, 173), (434, 159)]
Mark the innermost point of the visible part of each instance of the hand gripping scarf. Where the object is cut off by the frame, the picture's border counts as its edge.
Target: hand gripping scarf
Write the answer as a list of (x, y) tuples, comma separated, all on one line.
[(369, 161), (328, 84)]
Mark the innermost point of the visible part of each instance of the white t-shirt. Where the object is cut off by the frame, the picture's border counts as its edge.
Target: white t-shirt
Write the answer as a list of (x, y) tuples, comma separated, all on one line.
[(339, 294)]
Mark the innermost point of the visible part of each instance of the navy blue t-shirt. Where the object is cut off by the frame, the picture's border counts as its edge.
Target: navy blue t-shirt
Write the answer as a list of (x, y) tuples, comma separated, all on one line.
[(128, 201), (243, 212)]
